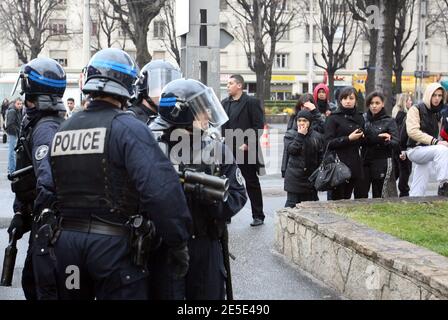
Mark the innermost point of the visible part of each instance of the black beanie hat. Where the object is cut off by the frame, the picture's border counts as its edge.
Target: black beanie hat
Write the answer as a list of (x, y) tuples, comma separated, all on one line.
[(305, 114)]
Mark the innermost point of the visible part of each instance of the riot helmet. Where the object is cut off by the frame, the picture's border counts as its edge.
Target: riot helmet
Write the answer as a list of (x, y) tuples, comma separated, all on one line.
[(43, 81), (153, 77), (185, 101), (112, 72)]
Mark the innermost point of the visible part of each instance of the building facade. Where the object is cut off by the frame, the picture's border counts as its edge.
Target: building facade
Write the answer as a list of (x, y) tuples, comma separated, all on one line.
[(291, 65)]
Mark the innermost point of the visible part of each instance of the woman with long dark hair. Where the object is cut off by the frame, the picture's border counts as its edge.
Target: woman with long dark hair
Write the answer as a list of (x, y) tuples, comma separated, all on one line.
[(344, 133), (382, 141)]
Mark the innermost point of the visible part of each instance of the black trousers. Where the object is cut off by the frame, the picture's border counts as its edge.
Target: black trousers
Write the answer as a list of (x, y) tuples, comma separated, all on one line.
[(249, 172), (293, 198), (162, 283), (345, 190), (404, 169), (98, 266)]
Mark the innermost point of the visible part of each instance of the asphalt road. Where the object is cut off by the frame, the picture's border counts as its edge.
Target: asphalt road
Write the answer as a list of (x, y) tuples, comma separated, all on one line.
[(258, 272)]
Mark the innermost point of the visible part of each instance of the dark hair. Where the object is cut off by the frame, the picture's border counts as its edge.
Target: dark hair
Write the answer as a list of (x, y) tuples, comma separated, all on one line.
[(71, 99), (304, 98), (374, 94), (238, 78), (346, 92)]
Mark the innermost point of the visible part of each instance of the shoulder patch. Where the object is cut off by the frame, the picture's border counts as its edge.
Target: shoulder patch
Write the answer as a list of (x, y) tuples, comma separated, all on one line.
[(41, 152), (239, 176)]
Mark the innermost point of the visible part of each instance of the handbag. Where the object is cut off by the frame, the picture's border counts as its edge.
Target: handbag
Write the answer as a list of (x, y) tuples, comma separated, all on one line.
[(330, 174)]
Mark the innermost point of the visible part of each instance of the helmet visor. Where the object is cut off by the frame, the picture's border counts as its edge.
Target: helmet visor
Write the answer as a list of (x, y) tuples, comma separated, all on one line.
[(159, 78), (206, 106)]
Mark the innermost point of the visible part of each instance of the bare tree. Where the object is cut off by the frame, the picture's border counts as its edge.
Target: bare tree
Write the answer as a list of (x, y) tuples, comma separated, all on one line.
[(364, 12), (106, 25), (169, 24), (385, 52), (404, 44), (441, 17), (260, 26), (338, 33), (135, 17), (25, 23)]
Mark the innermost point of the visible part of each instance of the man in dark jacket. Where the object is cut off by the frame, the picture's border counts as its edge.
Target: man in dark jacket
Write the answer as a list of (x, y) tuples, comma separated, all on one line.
[(245, 113), (13, 122), (304, 147)]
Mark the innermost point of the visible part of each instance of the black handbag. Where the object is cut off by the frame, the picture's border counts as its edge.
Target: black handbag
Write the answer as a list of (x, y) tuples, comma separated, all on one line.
[(330, 174)]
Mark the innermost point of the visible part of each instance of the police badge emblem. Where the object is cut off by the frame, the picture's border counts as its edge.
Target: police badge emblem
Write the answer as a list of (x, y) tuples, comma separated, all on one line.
[(41, 152), (239, 176)]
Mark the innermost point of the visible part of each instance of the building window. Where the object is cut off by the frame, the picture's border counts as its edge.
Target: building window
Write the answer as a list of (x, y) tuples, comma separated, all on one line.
[(222, 4), (307, 60), (158, 30), (286, 34), (94, 28), (61, 4), (60, 56), (58, 27), (366, 60), (281, 60), (308, 33), (158, 55)]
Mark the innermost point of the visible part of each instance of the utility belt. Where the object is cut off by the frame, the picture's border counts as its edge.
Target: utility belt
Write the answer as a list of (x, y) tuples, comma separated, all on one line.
[(93, 226), (140, 230)]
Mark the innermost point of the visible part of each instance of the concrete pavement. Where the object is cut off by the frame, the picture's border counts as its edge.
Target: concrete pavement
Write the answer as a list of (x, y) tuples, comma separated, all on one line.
[(258, 272)]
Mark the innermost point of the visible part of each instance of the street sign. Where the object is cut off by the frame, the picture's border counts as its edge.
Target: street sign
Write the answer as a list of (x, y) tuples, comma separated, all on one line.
[(422, 74)]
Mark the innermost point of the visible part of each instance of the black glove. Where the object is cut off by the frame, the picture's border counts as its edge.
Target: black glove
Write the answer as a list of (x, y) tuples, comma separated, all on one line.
[(178, 259), (21, 223)]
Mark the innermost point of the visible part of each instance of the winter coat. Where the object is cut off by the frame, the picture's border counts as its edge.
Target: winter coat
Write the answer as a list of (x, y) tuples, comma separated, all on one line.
[(13, 120), (376, 150), (249, 115), (376, 147), (304, 157), (338, 127)]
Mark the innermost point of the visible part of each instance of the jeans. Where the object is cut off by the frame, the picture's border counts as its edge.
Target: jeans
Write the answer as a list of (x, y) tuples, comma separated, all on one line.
[(12, 141)]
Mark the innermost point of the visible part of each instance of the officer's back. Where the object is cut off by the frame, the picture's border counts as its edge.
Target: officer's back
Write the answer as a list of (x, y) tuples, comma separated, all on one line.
[(110, 174)]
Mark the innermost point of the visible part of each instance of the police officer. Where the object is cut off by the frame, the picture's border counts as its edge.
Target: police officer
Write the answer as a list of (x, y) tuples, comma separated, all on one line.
[(191, 108), (113, 185), (43, 82), (153, 77)]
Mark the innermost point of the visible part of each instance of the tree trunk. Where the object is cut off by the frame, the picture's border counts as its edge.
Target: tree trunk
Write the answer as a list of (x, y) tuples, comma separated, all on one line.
[(260, 84), (267, 84), (385, 52), (331, 83), (398, 76), (370, 83), (143, 56)]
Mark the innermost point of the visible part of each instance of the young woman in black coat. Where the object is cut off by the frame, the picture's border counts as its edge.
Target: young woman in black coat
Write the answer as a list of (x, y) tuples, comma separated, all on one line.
[(382, 141), (344, 133), (304, 147)]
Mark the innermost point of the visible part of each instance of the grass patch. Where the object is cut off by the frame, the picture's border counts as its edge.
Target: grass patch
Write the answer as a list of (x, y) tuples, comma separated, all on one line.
[(424, 224)]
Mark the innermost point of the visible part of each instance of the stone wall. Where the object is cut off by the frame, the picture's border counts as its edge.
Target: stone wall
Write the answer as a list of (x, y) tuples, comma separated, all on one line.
[(358, 262)]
